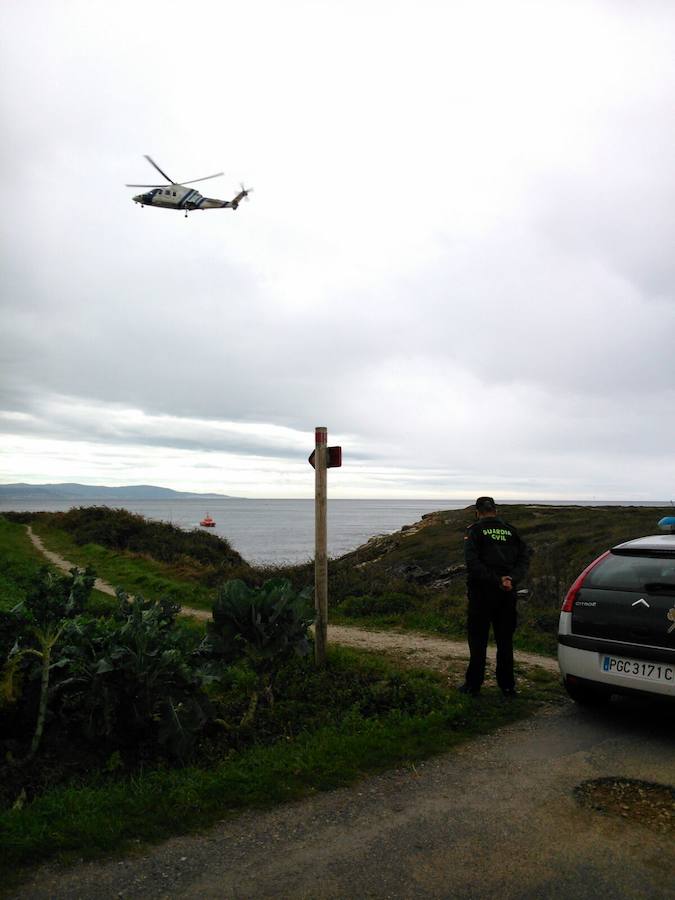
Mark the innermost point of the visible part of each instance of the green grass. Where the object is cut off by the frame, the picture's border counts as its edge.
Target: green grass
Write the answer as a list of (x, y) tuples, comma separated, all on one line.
[(105, 814), (19, 560), (135, 574), (450, 624)]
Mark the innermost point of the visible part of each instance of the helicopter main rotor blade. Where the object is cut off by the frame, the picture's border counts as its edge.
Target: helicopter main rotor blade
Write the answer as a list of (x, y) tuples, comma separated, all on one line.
[(145, 185), (153, 163), (205, 178)]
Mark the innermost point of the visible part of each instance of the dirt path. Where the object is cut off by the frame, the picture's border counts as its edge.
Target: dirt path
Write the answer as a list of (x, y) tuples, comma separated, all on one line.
[(418, 649), (422, 649), (63, 564)]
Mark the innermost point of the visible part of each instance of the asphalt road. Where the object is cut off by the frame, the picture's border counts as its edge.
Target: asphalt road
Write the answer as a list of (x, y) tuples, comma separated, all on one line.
[(496, 817)]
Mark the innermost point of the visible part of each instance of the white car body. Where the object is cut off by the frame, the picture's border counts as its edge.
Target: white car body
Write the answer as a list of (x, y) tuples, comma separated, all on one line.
[(617, 627), (588, 665)]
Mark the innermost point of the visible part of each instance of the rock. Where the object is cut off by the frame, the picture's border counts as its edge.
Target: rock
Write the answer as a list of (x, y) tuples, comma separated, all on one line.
[(433, 577)]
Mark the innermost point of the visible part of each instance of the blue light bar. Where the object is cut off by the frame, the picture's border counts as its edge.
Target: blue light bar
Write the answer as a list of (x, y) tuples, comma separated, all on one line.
[(667, 523)]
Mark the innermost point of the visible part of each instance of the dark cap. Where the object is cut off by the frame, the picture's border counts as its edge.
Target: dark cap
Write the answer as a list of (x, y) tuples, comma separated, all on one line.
[(486, 504)]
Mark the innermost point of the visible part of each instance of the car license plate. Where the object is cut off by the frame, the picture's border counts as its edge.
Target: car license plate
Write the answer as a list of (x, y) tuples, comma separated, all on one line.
[(662, 673)]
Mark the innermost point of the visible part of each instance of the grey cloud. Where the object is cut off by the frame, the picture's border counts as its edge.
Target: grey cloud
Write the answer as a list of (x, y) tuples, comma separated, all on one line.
[(552, 324)]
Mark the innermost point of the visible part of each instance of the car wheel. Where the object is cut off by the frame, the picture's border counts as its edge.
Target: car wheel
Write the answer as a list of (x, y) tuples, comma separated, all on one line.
[(586, 694)]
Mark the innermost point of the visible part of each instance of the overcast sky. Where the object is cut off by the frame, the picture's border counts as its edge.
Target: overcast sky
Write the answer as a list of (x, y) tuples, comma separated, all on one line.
[(459, 255)]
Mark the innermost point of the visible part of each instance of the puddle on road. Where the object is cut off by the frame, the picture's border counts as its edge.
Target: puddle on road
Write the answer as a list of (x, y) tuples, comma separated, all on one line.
[(640, 802)]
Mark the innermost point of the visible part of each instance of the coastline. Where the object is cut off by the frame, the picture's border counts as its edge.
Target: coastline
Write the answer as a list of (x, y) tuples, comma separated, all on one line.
[(281, 532)]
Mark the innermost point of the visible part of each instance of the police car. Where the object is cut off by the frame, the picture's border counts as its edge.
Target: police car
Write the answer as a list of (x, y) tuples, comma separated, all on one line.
[(617, 623)]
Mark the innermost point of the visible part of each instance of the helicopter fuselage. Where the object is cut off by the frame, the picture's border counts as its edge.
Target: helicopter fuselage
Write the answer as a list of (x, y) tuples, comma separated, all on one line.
[(175, 196)]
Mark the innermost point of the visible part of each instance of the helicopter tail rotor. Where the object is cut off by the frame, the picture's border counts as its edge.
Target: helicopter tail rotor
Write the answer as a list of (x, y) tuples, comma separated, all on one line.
[(242, 195)]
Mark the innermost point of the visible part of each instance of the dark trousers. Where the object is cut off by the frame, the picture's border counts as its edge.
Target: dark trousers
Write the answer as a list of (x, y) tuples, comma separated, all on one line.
[(496, 608)]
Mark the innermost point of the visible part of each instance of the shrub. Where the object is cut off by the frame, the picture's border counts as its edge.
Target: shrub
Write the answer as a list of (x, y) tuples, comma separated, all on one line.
[(39, 623), (261, 624), (119, 529), (119, 682), (389, 603), (132, 679)]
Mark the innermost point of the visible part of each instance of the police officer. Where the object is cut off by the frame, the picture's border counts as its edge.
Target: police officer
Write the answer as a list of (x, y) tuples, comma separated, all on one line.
[(496, 560)]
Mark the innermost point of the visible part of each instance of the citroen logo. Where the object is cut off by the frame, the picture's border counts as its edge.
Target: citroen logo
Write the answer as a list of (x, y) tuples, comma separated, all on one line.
[(641, 600), (670, 615)]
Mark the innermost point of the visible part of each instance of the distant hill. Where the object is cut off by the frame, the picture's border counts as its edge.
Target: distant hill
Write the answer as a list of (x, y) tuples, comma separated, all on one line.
[(74, 491)]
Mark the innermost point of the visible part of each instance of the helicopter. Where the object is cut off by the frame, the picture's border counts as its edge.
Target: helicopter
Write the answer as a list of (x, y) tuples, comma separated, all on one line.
[(175, 195)]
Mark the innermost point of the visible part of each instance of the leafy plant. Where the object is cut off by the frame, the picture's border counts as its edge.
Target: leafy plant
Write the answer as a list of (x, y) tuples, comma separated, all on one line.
[(133, 678), (42, 617), (262, 624)]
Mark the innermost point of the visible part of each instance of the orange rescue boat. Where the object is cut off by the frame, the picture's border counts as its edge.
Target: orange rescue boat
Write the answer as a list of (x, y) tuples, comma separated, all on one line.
[(208, 522)]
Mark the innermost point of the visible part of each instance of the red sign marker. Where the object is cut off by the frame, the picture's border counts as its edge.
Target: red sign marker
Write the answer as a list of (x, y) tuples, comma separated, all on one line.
[(333, 458)]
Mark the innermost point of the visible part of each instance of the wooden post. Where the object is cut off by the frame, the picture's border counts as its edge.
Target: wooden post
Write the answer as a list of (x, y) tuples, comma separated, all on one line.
[(320, 545)]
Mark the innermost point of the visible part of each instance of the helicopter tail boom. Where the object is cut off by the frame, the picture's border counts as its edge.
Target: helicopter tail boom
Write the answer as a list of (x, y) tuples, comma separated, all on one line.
[(212, 203)]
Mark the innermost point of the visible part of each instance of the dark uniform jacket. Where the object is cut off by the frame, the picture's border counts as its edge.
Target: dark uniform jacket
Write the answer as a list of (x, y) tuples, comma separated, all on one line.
[(493, 548)]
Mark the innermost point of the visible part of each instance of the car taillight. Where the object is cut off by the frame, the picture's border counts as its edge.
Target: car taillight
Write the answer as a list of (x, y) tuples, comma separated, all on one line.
[(573, 592)]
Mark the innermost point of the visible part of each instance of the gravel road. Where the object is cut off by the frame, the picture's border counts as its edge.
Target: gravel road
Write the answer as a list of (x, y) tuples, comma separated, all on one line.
[(496, 817)]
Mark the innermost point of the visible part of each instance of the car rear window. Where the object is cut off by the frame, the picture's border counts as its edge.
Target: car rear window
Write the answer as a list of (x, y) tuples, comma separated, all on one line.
[(633, 573)]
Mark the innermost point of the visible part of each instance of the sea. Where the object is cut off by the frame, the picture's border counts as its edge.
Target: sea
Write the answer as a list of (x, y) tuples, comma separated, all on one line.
[(275, 532)]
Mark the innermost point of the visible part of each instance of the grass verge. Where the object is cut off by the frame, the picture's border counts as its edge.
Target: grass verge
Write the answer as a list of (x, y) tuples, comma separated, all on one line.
[(19, 560), (134, 573), (105, 813), (454, 627)]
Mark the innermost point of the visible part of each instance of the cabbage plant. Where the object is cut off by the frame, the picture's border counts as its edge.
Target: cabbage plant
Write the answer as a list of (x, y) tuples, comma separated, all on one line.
[(263, 624), (53, 602)]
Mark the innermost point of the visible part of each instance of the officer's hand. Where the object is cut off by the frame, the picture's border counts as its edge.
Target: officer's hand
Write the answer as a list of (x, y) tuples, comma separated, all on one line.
[(506, 583)]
